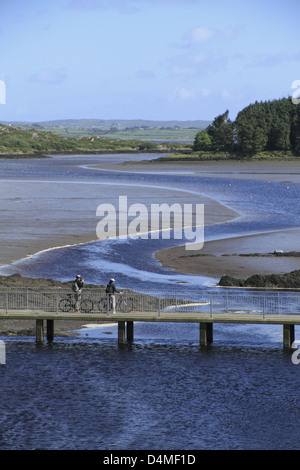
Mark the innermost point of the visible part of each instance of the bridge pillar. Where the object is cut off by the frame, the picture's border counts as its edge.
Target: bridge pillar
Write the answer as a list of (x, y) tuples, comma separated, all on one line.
[(39, 331), (50, 330), (130, 331), (288, 335), (121, 332), (206, 333)]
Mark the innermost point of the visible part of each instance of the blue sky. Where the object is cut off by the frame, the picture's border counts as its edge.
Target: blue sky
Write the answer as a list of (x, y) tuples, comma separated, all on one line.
[(145, 59)]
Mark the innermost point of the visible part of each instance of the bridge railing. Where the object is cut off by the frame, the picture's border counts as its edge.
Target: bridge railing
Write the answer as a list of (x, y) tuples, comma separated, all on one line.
[(161, 302), (230, 302)]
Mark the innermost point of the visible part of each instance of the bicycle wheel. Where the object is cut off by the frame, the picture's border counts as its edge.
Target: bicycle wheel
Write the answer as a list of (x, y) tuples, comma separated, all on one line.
[(102, 305), (126, 305), (65, 305), (86, 305)]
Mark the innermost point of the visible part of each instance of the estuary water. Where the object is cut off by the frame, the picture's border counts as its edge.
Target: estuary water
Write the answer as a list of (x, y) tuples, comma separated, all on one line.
[(262, 207), (162, 391)]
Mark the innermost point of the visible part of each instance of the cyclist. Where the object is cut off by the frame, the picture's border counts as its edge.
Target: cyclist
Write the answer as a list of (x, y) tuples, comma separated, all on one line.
[(77, 288), (111, 290)]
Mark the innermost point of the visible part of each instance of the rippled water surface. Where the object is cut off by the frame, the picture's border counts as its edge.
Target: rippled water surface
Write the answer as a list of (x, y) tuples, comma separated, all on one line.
[(154, 394)]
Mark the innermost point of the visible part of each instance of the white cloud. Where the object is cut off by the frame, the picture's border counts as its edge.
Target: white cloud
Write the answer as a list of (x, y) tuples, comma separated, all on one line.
[(196, 64), (205, 92), (200, 34), (180, 94), (205, 50), (184, 94), (204, 34), (178, 68)]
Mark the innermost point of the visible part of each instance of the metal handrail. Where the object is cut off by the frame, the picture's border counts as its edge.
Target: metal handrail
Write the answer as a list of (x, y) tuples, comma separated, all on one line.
[(162, 302)]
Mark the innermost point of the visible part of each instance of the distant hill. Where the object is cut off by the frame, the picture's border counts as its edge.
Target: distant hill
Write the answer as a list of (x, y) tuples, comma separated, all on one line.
[(137, 129), (117, 123)]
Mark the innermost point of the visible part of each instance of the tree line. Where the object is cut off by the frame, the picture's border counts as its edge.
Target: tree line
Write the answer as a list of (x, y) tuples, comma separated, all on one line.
[(265, 126)]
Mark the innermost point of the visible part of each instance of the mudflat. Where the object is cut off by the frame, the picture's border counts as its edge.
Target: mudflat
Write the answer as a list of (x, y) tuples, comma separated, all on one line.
[(239, 257)]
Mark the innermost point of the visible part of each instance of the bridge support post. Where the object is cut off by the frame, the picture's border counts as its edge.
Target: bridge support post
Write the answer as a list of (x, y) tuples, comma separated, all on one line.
[(121, 332), (130, 331), (288, 335), (39, 331), (50, 330), (206, 333)]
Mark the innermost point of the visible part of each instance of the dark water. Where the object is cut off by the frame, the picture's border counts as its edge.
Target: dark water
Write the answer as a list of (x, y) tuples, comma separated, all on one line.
[(162, 391), (154, 394)]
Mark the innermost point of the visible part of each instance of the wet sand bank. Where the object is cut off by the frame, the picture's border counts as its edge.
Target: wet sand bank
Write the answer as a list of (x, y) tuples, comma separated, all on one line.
[(269, 170), (231, 256)]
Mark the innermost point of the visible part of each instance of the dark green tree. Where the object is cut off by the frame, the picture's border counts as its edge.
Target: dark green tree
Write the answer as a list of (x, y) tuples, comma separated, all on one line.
[(221, 132), (270, 125), (295, 130), (202, 141)]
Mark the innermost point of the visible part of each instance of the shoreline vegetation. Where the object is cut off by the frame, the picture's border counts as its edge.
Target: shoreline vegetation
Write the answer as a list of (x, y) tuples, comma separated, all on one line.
[(224, 156), (265, 130), (20, 142), (183, 155)]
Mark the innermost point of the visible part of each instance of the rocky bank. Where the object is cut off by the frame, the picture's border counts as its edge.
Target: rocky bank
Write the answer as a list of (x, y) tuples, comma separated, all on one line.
[(287, 281)]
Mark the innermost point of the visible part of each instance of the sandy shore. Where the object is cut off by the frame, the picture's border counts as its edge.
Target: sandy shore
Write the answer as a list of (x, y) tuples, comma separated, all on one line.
[(231, 257), (263, 170), (37, 215)]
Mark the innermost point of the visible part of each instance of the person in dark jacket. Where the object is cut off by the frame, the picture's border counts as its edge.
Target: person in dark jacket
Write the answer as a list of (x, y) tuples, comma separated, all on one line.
[(78, 292), (111, 290)]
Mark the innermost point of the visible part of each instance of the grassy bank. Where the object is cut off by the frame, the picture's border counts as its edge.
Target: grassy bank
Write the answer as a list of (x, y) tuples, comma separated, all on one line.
[(210, 156), (18, 142)]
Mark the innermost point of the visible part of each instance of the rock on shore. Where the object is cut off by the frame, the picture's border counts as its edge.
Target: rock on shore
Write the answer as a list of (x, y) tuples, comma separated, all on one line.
[(288, 281)]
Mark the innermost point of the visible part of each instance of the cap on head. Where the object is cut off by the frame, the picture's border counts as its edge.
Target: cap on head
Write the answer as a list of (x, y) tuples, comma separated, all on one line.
[(78, 275), (112, 280)]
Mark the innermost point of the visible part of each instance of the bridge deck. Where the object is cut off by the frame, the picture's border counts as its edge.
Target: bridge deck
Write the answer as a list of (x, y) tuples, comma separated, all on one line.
[(204, 308), (187, 317)]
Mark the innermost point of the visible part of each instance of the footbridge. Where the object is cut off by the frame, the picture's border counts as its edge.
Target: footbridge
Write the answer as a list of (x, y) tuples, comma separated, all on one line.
[(202, 307)]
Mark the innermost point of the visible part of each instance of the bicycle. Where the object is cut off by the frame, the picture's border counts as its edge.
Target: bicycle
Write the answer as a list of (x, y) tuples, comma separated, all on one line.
[(65, 305), (125, 304)]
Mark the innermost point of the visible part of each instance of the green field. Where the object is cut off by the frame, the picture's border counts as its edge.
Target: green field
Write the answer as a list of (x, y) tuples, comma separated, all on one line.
[(149, 135), (140, 130)]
